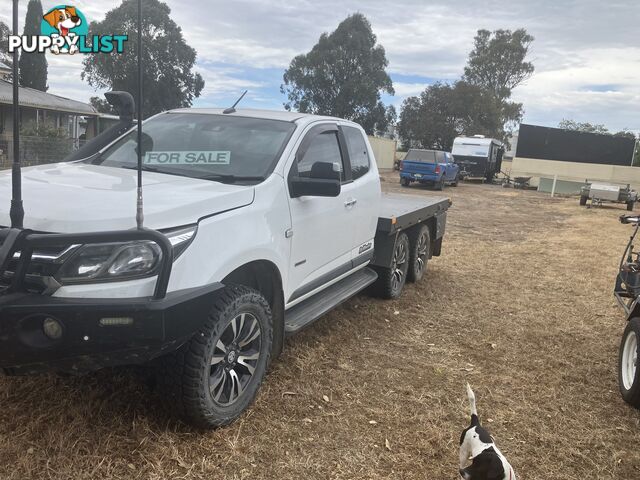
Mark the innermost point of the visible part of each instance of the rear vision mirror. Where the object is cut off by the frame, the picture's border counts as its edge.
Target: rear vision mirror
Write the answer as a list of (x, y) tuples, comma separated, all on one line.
[(314, 187), (325, 171)]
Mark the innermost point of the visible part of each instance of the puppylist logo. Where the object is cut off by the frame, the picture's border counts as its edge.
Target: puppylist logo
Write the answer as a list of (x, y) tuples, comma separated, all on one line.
[(64, 29)]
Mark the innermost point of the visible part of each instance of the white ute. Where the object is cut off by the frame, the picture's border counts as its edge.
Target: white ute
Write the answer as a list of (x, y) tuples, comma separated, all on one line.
[(267, 221)]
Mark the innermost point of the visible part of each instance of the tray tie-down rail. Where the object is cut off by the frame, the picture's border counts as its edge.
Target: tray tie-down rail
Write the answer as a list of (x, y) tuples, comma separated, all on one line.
[(14, 240)]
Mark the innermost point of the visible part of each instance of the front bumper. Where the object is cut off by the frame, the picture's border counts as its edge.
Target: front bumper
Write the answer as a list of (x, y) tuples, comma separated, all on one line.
[(136, 330), (153, 327)]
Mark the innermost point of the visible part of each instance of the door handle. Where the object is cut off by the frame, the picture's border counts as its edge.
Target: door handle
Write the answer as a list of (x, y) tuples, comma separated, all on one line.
[(351, 202)]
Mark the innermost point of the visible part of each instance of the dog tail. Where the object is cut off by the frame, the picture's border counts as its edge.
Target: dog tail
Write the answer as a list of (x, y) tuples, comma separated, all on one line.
[(472, 401)]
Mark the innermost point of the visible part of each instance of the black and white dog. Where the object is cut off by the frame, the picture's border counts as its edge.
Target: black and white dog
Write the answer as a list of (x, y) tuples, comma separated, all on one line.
[(476, 443)]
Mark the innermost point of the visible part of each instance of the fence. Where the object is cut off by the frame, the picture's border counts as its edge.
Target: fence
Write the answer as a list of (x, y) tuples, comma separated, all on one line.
[(570, 176), (36, 150)]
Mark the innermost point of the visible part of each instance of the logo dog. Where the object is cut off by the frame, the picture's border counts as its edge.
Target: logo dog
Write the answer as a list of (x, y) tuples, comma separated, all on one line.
[(63, 20), (476, 444)]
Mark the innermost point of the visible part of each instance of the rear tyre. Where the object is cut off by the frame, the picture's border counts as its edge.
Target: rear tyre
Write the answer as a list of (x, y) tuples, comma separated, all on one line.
[(420, 242), (583, 200), (628, 371), (440, 184), (215, 376), (405, 182), (391, 280), (630, 206)]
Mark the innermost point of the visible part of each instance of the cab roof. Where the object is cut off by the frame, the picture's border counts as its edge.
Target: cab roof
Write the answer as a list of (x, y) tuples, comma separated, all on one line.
[(293, 117)]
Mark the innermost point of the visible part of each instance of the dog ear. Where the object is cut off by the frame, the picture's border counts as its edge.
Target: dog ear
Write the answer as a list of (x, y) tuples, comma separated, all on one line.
[(50, 18), (484, 435), (71, 11)]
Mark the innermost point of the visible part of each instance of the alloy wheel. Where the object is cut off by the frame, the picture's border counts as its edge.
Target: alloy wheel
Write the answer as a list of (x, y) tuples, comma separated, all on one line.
[(399, 259), (234, 360), (421, 254)]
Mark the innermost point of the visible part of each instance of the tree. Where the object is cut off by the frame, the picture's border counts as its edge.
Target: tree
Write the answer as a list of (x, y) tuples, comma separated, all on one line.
[(102, 106), (443, 112), (586, 127), (33, 65), (167, 59), (497, 61), (343, 75), (5, 56)]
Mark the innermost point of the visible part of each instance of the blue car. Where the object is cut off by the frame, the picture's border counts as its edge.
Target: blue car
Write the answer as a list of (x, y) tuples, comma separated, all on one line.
[(434, 167)]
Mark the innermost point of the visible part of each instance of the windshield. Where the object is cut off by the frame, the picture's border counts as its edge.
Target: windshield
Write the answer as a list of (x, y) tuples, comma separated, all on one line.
[(215, 147), (470, 150)]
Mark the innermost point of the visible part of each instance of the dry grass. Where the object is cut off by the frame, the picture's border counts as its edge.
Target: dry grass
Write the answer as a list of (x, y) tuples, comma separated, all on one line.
[(519, 304)]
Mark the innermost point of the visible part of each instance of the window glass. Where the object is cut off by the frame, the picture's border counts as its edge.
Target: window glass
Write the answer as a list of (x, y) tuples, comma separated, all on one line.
[(203, 146), (323, 148), (358, 152), (414, 155)]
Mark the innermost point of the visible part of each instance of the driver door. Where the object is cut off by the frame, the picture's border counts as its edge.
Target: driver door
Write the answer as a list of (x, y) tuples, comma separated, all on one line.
[(322, 227)]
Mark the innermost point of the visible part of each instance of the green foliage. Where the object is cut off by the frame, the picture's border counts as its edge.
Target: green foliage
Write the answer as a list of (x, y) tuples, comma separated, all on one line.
[(168, 60), (343, 75), (33, 66), (586, 127), (443, 112), (102, 105), (476, 104), (497, 61), (42, 129)]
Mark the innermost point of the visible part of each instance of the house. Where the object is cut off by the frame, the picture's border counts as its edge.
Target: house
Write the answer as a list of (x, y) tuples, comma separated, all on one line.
[(51, 125)]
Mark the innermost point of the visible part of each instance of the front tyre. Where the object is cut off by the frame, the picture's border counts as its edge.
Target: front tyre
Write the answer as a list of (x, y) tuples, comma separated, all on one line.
[(630, 205), (215, 376), (583, 200), (628, 371)]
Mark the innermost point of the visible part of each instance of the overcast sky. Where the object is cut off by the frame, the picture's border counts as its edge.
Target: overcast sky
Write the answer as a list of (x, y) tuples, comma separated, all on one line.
[(586, 52)]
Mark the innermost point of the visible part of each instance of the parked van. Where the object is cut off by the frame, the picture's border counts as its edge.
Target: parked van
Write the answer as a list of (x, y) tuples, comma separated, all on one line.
[(478, 157)]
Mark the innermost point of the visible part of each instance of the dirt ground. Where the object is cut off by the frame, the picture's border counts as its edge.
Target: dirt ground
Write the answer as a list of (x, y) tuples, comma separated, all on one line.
[(520, 305)]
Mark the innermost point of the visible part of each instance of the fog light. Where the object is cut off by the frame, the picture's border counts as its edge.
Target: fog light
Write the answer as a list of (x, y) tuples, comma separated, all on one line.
[(52, 328), (116, 321)]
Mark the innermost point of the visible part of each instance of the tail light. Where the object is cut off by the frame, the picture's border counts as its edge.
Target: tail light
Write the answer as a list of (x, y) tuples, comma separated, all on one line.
[(437, 168), (400, 165)]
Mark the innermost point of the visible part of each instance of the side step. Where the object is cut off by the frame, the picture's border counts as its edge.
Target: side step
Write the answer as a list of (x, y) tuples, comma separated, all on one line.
[(307, 312)]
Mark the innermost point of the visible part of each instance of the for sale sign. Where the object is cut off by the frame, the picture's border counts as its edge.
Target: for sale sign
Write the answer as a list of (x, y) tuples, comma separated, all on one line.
[(211, 157)]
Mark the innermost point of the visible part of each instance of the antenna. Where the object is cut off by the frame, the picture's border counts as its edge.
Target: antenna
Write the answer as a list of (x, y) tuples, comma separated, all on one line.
[(139, 205), (232, 109), (16, 213)]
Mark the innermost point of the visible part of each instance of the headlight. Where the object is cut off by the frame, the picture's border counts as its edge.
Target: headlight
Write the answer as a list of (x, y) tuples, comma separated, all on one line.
[(120, 261), (110, 261)]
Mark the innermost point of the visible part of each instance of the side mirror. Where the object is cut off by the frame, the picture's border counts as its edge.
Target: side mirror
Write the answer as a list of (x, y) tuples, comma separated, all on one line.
[(325, 171), (314, 187)]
